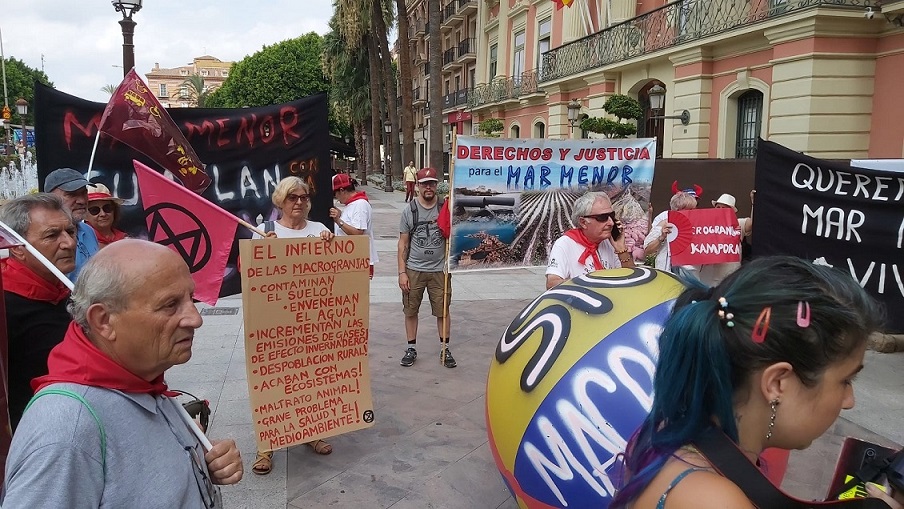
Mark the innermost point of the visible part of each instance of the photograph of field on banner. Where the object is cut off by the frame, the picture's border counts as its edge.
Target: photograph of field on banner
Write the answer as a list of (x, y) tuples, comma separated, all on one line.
[(512, 198)]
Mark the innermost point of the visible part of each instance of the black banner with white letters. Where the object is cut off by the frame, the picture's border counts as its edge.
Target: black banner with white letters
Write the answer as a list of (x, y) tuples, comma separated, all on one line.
[(830, 213), (246, 152)]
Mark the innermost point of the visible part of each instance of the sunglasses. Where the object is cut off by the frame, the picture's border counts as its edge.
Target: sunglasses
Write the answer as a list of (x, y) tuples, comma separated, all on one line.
[(298, 197), (107, 208), (605, 216)]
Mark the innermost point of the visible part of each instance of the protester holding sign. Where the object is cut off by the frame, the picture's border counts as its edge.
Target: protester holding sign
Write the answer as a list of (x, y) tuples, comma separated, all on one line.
[(595, 244), (422, 266), (293, 198), (356, 218), (713, 274), (765, 359), (656, 241), (36, 316)]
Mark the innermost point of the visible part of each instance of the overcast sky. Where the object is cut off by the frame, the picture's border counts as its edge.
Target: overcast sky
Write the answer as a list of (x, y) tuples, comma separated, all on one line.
[(81, 40)]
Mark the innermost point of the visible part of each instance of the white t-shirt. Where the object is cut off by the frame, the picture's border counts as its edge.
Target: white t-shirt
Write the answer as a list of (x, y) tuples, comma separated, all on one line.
[(663, 256), (563, 258), (311, 229), (359, 215)]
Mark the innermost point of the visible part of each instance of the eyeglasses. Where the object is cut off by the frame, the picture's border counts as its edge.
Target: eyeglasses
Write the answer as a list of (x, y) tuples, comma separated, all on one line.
[(107, 208), (304, 198), (210, 494), (605, 216), (429, 183)]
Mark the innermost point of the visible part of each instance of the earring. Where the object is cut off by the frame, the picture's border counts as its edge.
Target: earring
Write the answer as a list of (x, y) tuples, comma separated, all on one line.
[(773, 404)]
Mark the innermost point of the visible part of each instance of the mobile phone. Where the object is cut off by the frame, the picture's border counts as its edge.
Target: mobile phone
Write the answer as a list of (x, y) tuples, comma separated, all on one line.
[(895, 471), (616, 232)]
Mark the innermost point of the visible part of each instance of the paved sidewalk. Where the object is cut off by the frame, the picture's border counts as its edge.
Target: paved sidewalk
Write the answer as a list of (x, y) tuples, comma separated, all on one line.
[(428, 447)]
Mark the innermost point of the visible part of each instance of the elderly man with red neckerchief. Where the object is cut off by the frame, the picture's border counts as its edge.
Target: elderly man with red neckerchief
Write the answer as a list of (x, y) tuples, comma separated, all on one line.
[(102, 429), (35, 300), (590, 246)]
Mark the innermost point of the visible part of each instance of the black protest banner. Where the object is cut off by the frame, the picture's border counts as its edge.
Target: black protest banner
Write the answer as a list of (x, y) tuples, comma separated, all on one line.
[(246, 152), (832, 213)]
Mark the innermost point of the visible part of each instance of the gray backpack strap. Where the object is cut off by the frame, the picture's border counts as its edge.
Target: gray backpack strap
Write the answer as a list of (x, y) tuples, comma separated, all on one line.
[(83, 401)]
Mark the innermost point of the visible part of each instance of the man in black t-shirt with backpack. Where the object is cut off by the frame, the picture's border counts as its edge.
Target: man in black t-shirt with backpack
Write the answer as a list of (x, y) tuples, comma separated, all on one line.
[(421, 260)]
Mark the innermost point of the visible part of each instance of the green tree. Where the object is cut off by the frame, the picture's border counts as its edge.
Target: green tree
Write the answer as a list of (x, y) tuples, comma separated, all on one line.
[(20, 83), (490, 126), (622, 107), (282, 72), (110, 89)]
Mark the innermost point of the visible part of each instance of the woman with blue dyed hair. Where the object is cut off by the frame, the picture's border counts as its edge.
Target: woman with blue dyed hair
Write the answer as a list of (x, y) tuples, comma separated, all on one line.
[(765, 359)]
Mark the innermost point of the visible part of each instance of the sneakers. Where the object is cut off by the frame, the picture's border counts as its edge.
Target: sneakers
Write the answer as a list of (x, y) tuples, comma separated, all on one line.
[(449, 361), (409, 357)]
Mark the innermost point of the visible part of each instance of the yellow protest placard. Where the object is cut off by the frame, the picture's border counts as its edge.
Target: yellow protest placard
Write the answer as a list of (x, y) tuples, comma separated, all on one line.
[(306, 313)]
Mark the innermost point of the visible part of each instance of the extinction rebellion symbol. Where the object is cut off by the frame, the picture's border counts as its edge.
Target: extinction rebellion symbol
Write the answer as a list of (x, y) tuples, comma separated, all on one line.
[(173, 225)]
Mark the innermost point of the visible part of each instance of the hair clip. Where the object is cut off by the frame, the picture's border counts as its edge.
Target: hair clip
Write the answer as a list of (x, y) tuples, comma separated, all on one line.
[(761, 326), (803, 314), (727, 316)]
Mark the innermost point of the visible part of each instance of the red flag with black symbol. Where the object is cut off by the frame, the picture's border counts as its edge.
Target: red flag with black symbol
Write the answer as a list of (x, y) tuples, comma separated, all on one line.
[(135, 117), (199, 231)]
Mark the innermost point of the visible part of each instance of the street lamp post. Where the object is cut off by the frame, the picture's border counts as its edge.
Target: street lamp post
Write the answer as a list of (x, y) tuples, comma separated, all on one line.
[(387, 170), (573, 108), (657, 103), (127, 8), (22, 110)]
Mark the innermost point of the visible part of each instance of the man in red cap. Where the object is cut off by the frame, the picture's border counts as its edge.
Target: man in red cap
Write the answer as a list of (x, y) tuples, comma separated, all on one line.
[(356, 218), (422, 259)]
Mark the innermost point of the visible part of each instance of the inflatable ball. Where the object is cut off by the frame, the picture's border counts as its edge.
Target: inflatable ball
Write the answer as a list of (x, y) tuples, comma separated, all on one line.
[(571, 381)]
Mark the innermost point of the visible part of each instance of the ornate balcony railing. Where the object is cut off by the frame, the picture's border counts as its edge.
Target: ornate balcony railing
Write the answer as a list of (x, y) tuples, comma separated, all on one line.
[(503, 88), (449, 56), (467, 46), (671, 25)]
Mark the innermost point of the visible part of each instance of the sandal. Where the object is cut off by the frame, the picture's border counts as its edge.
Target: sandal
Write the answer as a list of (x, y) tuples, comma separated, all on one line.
[(263, 464), (321, 446)]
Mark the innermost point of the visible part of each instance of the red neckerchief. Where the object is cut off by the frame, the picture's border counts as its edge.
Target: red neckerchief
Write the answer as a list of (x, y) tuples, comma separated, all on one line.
[(360, 195), (76, 360), (103, 240), (22, 281), (590, 249)]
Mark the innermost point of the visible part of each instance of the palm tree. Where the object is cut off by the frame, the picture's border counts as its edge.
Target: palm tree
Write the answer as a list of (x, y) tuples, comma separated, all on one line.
[(193, 89), (405, 82), (434, 96), (380, 34), (349, 77), (110, 89)]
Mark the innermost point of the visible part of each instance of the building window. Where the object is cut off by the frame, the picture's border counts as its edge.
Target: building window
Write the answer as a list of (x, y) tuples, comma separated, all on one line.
[(515, 132), (204, 72), (750, 121), (539, 130), (472, 78), (162, 91), (494, 55), (183, 72), (543, 42), (518, 61), (225, 74)]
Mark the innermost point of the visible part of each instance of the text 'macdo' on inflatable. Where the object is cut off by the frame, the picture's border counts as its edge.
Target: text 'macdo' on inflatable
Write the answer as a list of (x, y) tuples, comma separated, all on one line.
[(571, 381)]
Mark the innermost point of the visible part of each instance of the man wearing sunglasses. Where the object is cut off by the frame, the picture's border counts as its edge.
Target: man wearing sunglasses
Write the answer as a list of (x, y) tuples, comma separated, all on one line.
[(596, 242), (72, 188)]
